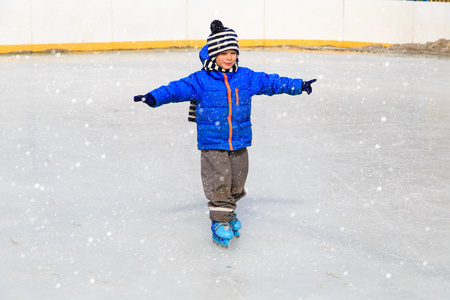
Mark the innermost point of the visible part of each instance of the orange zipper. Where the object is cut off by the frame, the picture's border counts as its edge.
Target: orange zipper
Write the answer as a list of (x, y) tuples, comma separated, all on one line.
[(230, 106), (237, 97)]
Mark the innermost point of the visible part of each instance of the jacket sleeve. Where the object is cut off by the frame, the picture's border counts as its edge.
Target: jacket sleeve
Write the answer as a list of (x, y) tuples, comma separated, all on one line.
[(271, 84), (182, 90)]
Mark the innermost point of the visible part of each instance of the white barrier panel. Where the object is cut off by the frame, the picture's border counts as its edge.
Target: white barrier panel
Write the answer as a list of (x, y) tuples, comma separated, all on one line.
[(379, 21), (149, 20), (71, 21), (32, 25), (15, 22), (305, 20)]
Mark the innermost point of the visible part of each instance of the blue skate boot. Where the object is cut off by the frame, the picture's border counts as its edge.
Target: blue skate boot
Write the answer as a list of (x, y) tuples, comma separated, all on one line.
[(235, 225), (221, 233)]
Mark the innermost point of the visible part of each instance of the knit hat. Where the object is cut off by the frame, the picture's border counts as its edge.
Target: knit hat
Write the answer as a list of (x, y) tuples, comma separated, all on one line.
[(221, 39)]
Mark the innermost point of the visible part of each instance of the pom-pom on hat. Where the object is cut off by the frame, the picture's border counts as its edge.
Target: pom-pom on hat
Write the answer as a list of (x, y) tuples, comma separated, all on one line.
[(221, 39)]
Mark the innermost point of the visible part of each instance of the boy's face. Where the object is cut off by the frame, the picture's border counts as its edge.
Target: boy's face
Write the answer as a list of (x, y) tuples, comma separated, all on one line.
[(226, 59)]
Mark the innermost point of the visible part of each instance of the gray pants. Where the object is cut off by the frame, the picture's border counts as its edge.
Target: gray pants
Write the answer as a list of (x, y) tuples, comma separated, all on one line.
[(223, 176)]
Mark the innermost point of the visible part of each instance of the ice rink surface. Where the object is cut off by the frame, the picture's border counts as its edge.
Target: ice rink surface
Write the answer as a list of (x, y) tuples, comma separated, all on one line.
[(348, 191)]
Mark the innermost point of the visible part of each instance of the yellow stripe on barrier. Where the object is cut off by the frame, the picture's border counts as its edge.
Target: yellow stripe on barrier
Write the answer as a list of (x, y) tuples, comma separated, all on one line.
[(309, 43), (141, 45)]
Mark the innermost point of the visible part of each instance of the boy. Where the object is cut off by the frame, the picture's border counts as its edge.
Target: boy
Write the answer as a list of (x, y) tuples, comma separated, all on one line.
[(222, 93)]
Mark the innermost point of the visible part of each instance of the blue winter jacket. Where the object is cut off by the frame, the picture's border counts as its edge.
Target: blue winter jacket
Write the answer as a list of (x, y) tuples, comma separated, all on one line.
[(224, 102)]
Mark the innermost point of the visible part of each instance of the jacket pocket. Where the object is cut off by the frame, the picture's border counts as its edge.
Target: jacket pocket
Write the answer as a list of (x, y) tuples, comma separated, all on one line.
[(211, 134), (210, 127), (237, 97), (245, 124), (243, 131)]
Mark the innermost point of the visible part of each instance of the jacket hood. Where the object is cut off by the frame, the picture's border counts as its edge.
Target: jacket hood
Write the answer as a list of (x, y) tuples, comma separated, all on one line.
[(203, 55)]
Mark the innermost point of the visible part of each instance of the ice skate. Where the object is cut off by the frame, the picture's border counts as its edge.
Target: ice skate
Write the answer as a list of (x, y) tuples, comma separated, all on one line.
[(221, 233), (235, 225)]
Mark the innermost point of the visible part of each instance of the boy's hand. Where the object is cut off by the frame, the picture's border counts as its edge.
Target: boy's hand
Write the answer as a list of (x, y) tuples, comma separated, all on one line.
[(139, 98), (306, 86), (147, 99)]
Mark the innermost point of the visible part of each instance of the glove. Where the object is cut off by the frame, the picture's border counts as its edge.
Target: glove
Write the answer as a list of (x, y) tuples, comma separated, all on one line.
[(147, 99), (306, 86), (139, 98)]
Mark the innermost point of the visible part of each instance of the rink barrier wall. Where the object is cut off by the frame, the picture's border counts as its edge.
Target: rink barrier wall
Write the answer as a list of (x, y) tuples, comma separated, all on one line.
[(98, 25), (111, 46)]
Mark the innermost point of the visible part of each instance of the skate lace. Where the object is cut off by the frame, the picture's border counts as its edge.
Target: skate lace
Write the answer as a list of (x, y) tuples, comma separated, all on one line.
[(225, 225), (233, 222)]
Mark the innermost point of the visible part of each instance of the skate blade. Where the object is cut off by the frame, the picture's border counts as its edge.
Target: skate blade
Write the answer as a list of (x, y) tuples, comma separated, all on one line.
[(224, 243), (221, 245)]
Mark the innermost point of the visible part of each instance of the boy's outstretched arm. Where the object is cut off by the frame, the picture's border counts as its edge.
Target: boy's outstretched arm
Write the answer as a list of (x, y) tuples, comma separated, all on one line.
[(271, 84), (185, 89)]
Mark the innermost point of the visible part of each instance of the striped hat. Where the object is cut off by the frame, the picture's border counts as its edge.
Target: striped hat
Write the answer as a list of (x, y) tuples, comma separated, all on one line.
[(221, 39)]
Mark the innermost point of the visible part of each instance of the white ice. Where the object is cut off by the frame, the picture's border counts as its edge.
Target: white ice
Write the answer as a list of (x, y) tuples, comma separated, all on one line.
[(348, 191)]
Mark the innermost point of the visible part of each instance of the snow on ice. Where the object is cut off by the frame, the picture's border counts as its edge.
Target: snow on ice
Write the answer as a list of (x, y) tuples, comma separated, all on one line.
[(348, 194)]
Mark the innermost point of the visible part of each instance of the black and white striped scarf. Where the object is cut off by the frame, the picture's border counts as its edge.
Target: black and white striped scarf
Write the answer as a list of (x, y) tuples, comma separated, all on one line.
[(209, 65)]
